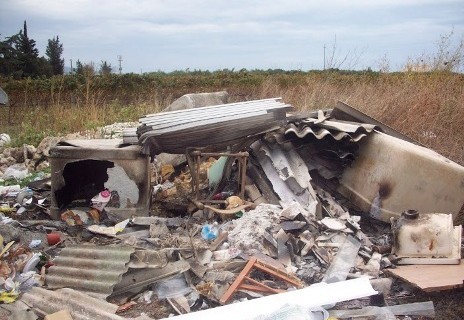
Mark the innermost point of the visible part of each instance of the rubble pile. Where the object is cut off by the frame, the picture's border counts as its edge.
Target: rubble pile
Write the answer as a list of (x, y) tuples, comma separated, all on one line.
[(254, 216)]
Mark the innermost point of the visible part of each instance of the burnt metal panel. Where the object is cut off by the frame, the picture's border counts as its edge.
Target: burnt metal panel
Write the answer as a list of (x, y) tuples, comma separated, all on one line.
[(91, 269)]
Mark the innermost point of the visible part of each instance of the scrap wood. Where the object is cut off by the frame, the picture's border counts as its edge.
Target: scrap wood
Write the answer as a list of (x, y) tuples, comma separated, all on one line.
[(431, 278), (243, 277), (227, 213), (126, 306)]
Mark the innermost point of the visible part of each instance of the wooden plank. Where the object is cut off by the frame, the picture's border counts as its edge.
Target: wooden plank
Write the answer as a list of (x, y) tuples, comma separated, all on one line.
[(431, 278)]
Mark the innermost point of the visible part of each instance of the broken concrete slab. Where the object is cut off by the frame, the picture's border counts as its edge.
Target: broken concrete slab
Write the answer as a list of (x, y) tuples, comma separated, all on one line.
[(101, 163), (195, 100)]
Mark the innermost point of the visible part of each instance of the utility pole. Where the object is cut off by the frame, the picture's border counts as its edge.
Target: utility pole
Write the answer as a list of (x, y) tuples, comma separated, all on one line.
[(120, 60), (71, 66), (324, 56)]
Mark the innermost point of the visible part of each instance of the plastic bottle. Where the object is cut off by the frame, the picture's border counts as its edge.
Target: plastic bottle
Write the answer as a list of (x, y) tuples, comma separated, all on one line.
[(32, 263), (210, 232)]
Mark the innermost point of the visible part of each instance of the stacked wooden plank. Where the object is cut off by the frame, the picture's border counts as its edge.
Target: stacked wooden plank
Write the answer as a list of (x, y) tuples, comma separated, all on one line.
[(213, 127)]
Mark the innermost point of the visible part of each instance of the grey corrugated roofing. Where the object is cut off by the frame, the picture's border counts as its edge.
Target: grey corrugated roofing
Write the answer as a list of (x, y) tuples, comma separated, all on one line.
[(336, 129), (214, 126), (91, 269), (80, 305)]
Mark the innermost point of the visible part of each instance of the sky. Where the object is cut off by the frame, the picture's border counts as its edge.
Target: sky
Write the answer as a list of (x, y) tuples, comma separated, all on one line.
[(168, 35)]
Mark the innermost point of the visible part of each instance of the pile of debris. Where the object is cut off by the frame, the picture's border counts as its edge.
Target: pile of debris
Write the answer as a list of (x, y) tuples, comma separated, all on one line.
[(288, 215)]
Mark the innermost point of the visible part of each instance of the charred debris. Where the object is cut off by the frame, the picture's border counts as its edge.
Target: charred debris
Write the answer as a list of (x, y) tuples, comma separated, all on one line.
[(288, 214)]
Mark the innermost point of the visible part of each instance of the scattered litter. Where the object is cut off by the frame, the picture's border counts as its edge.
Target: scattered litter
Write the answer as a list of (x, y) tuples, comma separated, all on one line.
[(262, 211), (173, 287), (109, 231), (209, 232)]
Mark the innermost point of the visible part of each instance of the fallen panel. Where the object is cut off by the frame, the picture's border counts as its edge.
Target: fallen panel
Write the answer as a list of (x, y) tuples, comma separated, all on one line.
[(80, 305), (411, 309), (136, 279), (312, 296), (391, 175), (215, 127), (343, 111), (431, 278), (288, 175), (91, 269), (343, 261)]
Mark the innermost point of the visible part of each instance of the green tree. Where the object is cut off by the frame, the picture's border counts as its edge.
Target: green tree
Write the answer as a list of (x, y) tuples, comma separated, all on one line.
[(105, 68), (54, 52), (9, 58), (79, 67), (28, 54)]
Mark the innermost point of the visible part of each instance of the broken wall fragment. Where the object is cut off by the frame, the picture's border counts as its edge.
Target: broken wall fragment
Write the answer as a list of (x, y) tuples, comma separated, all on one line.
[(81, 169)]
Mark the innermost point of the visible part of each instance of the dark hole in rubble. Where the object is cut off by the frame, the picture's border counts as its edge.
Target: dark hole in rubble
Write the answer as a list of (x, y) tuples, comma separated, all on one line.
[(82, 180)]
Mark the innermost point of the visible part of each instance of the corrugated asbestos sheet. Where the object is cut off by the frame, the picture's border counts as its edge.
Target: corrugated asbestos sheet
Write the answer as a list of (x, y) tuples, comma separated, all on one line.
[(288, 175), (326, 144), (80, 305), (218, 126), (335, 129), (91, 269)]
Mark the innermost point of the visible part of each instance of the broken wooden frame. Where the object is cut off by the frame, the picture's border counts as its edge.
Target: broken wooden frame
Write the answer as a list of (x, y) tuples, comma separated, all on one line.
[(257, 286), (194, 160)]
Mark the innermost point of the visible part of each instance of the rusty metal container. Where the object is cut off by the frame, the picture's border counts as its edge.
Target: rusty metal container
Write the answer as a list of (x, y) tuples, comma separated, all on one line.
[(391, 175), (82, 168)]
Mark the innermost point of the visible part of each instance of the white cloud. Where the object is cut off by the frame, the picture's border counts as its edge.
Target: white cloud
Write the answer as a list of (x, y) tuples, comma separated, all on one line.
[(219, 32)]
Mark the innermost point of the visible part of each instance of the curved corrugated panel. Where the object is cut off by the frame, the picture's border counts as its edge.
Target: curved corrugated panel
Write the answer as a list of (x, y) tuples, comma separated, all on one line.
[(80, 305), (91, 269), (321, 133)]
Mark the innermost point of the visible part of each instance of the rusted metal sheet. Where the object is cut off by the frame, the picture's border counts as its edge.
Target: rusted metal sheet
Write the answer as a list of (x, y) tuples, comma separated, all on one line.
[(215, 126), (91, 269), (80, 305)]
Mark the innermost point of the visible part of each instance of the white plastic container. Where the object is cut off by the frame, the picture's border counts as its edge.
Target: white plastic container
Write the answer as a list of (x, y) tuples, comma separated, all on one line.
[(426, 238)]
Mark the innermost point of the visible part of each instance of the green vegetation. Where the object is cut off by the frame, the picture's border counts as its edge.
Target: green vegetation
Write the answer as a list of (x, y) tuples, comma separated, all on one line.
[(428, 106), (19, 57)]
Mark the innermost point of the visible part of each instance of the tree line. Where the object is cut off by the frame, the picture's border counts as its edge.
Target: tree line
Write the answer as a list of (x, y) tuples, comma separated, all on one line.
[(19, 58)]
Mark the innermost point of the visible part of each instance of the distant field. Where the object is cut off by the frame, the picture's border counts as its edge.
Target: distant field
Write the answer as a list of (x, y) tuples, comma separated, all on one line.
[(429, 107)]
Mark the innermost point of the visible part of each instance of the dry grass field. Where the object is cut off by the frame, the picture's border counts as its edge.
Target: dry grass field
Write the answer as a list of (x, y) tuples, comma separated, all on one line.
[(429, 107)]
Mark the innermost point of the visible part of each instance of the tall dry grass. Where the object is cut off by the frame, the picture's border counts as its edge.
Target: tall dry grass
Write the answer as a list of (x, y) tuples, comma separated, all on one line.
[(429, 107)]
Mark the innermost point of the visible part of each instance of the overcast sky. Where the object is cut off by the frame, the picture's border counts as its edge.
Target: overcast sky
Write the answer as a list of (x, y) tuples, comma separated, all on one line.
[(168, 35)]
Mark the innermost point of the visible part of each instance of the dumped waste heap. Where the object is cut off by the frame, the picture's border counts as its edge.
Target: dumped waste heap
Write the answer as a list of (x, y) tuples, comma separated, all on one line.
[(287, 214)]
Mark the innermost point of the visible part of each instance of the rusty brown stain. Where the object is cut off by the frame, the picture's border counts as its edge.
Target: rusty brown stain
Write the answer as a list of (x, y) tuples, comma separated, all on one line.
[(415, 237), (431, 245), (385, 189)]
